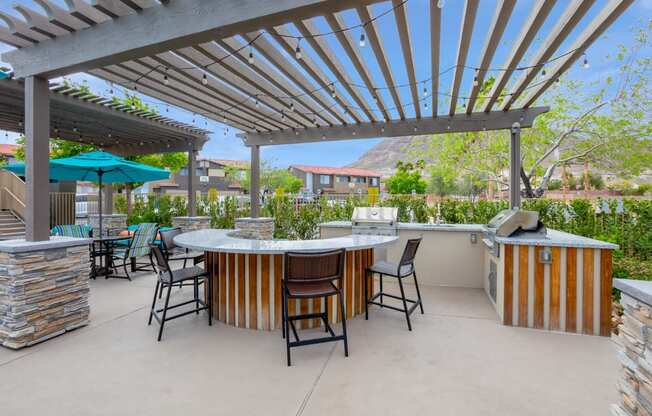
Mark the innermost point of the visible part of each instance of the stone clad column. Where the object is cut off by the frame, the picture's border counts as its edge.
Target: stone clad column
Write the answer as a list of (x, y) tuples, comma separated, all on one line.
[(37, 165)]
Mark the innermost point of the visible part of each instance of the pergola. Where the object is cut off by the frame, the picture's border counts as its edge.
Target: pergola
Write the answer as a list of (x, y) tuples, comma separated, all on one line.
[(245, 63)]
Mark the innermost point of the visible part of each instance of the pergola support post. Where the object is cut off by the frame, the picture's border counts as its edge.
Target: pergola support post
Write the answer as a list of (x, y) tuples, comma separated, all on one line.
[(108, 199), (37, 149), (255, 181), (192, 183), (515, 166)]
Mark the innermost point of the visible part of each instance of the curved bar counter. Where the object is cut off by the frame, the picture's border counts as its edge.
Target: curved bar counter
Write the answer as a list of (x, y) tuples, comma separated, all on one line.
[(247, 275)]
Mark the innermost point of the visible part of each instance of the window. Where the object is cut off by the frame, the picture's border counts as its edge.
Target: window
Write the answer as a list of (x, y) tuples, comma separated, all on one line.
[(183, 172), (373, 181), (341, 179), (324, 179), (199, 172), (357, 179)]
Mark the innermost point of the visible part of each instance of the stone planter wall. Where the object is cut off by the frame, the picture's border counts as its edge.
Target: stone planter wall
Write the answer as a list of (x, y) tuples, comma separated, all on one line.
[(191, 223), (255, 228), (634, 342), (43, 293)]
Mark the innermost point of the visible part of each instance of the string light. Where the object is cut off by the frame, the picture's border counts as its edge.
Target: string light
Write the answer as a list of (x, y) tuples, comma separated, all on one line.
[(166, 81), (425, 90), (297, 51), (204, 79), (362, 39), (292, 106), (251, 55), (257, 103), (282, 115), (543, 72), (440, 3), (585, 61), (475, 78)]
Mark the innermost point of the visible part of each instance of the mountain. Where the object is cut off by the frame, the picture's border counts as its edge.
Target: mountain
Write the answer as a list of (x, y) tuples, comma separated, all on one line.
[(383, 157)]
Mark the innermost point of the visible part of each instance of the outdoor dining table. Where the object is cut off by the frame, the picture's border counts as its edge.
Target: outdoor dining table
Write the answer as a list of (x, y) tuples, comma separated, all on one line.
[(102, 248)]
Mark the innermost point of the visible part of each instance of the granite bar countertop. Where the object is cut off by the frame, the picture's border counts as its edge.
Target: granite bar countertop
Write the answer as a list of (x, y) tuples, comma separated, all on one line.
[(638, 289), (477, 228), (24, 246), (223, 241)]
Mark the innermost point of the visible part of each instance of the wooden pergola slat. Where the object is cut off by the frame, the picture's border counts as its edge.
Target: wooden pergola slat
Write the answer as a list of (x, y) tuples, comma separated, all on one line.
[(468, 21), (606, 17), (400, 14), (349, 45), (498, 24), (540, 11), (435, 39), (381, 57), (572, 16)]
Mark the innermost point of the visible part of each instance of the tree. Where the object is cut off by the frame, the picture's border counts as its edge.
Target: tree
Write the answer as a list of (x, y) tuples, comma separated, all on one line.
[(273, 178), (605, 125), (407, 179)]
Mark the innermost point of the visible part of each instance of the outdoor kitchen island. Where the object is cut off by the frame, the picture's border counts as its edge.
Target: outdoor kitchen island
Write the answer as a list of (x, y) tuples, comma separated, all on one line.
[(247, 275), (548, 280)]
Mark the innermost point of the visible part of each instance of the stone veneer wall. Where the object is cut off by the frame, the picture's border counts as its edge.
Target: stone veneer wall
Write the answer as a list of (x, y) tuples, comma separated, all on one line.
[(111, 223), (255, 228), (634, 342), (43, 294), (191, 223)]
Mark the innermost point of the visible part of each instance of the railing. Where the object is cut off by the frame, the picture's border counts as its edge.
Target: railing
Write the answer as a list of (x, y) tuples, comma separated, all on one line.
[(12, 193), (62, 208)]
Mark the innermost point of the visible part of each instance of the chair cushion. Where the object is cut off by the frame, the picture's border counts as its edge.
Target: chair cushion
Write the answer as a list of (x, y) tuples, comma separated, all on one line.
[(187, 273), (389, 268), (311, 289)]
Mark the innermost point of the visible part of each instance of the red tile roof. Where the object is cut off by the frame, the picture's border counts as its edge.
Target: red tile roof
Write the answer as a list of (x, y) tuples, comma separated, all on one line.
[(8, 149), (325, 170)]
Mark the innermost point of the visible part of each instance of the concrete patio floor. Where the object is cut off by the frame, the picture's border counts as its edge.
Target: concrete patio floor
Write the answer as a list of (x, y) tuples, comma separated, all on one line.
[(458, 360)]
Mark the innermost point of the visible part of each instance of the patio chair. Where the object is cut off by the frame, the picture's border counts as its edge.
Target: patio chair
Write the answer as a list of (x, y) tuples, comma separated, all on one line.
[(72, 230), (400, 270), (139, 246), (172, 252), (311, 276), (168, 277)]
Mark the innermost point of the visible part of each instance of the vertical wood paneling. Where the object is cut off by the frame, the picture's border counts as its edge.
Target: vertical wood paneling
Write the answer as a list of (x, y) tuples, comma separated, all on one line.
[(605, 292), (538, 288), (253, 291), (523, 285), (370, 278), (348, 286), (304, 308), (316, 308), (508, 284), (230, 260), (571, 289), (359, 272), (242, 316), (555, 283), (264, 289), (587, 298), (278, 275), (222, 271)]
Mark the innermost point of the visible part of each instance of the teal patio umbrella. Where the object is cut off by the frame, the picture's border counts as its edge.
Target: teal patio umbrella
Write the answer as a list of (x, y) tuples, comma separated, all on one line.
[(100, 167)]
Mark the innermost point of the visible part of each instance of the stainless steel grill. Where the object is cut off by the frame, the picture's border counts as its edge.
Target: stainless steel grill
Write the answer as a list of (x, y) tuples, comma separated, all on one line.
[(375, 221)]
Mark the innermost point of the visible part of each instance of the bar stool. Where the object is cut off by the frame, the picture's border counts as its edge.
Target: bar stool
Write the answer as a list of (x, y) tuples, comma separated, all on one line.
[(168, 277), (310, 276), (173, 252), (399, 270)]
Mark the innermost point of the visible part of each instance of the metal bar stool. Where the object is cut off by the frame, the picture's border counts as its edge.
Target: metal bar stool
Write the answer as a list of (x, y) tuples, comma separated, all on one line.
[(399, 270), (168, 278), (309, 276), (172, 252)]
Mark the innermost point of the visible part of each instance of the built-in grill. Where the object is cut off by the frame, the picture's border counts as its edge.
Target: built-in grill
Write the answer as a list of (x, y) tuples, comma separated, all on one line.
[(512, 223), (375, 221)]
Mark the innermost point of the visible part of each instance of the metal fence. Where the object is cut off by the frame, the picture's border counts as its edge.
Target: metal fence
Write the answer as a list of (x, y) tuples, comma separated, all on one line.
[(62, 208)]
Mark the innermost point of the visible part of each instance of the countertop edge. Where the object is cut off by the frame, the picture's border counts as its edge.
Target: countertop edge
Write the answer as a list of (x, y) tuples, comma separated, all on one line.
[(638, 289)]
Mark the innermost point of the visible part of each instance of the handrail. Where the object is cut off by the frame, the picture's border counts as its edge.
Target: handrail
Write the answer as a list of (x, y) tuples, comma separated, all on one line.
[(12, 194)]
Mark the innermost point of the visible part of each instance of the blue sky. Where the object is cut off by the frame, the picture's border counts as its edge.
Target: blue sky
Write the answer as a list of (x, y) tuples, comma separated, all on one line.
[(343, 152)]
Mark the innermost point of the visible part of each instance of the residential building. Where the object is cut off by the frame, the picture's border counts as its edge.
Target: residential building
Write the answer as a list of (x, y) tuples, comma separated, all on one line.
[(223, 175), (323, 179)]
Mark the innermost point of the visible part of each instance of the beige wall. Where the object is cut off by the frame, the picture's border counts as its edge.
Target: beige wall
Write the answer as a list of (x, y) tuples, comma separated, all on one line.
[(445, 258)]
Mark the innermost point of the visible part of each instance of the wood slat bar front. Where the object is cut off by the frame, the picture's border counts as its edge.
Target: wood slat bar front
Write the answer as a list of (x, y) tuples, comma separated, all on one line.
[(247, 290)]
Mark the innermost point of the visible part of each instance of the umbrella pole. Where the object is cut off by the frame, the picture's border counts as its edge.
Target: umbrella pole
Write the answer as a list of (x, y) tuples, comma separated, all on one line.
[(99, 193)]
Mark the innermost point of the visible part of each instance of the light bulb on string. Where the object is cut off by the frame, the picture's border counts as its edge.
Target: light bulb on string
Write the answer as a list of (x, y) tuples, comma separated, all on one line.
[(543, 72), (475, 79), (204, 79), (425, 90), (257, 103), (425, 105), (297, 50), (251, 55), (166, 81), (282, 115), (292, 106), (111, 88), (585, 61), (363, 40), (440, 3)]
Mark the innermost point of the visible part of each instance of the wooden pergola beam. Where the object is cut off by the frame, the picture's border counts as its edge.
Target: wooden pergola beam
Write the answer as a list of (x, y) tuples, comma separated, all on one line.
[(468, 21), (400, 15), (435, 40), (496, 120), (540, 11), (381, 57), (572, 16), (499, 22), (606, 17)]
